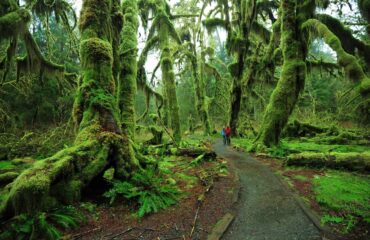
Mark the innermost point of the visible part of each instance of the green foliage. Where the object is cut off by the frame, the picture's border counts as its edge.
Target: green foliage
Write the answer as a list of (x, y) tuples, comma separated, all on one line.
[(6, 165), (38, 143), (198, 160), (331, 219), (41, 225), (346, 194), (278, 151), (149, 188)]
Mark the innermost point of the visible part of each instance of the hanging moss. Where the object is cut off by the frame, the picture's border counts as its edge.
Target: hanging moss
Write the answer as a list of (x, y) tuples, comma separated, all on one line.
[(350, 64), (261, 32), (165, 30), (349, 43), (14, 23), (291, 82), (266, 71), (212, 23)]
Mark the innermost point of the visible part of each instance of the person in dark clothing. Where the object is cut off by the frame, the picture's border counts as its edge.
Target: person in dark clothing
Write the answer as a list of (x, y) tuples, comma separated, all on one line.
[(228, 135), (223, 134)]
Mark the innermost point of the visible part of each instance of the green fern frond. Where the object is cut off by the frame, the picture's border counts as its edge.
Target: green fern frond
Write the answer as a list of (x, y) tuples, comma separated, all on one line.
[(149, 188), (42, 225)]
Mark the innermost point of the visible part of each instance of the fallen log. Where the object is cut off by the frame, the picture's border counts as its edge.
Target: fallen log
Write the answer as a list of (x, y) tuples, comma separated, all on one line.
[(195, 152), (349, 161), (299, 129)]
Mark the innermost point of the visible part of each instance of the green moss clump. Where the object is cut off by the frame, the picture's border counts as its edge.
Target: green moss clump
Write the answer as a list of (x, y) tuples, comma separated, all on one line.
[(14, 23), (212, 23), (96, 51)]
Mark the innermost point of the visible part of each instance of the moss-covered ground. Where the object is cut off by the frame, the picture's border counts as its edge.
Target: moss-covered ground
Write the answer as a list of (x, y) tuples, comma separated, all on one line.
[(344, 198)]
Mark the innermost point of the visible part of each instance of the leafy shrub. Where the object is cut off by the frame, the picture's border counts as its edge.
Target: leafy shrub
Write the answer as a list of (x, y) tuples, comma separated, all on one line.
[(149, 188), (41, 225)]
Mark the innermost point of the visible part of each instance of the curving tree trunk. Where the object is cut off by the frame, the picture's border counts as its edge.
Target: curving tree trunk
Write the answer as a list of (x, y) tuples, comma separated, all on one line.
[(285, 95), (100, 142)]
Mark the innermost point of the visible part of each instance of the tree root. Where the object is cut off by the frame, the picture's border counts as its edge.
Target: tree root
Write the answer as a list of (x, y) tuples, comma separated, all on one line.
[(61, 178)]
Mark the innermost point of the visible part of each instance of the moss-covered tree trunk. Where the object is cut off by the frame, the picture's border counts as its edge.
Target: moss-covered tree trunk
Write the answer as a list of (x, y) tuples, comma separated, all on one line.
[(100, 142), (168, 77), (128, 71), (198, 61), (285, 95), (236, 93), (245, 14)]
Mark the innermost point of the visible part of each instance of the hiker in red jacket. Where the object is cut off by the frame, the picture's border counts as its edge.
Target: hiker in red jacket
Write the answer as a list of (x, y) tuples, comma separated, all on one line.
[(228, 135)]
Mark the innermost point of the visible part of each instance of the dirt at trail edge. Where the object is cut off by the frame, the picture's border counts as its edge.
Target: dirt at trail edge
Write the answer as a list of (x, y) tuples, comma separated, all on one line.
[(265, 210)]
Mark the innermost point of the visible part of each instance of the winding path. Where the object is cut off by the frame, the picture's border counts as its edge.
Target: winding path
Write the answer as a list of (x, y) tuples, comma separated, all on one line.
[(266, 209)]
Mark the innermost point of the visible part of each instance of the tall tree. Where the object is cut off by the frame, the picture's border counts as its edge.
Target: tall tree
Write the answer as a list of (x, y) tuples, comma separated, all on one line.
[(128, 70), (297, 17), (244, 14), (285, 95), (100, 142), (159, 35)]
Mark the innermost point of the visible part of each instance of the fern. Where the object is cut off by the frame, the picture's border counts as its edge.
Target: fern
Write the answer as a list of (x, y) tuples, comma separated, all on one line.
[(149, 188), (42, 225), (43, 229)]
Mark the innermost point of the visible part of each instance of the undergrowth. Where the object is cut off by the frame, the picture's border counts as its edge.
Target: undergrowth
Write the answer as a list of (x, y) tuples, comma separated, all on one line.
[(347, 195), (38, 143), (149, 188), (41, 225)]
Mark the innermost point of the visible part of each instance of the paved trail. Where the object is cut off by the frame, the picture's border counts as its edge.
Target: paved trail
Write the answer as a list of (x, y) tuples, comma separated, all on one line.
[(266, 209)]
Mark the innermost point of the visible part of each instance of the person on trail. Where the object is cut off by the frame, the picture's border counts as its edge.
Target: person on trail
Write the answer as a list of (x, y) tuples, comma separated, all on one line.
[(228, 135), (223, 134)]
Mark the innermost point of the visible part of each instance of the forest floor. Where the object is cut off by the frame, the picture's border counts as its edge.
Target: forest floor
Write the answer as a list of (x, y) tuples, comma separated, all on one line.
[(120, 221), (266, 210)]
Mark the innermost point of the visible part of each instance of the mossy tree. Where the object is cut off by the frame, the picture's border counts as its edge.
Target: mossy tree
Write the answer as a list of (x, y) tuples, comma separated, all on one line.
[(296, 18), (161, 31), (244, 13), (100, 143), (14, 23), (128, 70), (195, 51), (285, 95)]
